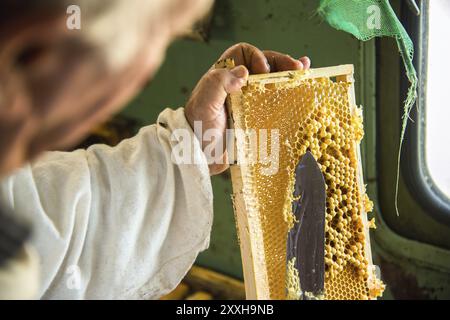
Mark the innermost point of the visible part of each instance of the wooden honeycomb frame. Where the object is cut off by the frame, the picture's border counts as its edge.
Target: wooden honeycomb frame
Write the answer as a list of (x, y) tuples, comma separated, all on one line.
[(255, 270)]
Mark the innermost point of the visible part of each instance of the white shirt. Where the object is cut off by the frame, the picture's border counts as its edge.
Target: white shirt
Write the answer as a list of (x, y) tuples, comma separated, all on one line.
[(119, 222)]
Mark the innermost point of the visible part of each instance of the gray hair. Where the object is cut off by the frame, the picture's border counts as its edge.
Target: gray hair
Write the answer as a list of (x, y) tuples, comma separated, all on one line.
[(117, 28), (113, 27)]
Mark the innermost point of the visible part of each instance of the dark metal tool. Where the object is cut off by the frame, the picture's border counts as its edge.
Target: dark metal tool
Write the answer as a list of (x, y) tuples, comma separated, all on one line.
[(306, 239)]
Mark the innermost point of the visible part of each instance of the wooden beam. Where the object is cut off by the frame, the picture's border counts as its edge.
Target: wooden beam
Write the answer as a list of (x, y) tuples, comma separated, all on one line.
[(255, 277), (329, 72)]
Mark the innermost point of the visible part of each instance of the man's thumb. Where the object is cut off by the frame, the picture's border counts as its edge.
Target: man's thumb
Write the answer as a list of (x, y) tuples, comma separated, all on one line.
[(227, 81)]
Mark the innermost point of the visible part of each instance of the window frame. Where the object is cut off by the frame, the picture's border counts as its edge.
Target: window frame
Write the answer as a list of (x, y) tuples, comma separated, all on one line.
[(413, 159)]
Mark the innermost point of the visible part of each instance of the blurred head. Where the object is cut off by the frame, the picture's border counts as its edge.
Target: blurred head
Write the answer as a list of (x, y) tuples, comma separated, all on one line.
[(57, 83)]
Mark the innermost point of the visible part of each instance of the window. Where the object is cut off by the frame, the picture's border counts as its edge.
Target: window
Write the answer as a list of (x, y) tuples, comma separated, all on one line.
[(426, 165), (437, 101)]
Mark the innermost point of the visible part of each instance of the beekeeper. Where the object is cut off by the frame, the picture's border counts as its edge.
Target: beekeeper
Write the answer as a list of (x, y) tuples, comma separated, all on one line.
[(108, 222)]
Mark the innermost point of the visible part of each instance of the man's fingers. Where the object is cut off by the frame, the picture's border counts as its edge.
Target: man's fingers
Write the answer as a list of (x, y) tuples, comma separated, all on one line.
[(306, 62), (240, 73), (228, 81), (217, 83), (258, 61), (282, 62), (208, 98), (249, 56)]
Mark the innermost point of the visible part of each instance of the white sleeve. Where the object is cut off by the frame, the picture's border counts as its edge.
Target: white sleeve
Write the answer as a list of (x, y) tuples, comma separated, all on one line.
[(116, 223)]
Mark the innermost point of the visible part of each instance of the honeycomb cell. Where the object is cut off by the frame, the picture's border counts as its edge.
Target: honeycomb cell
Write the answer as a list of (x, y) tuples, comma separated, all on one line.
[(314, 115)]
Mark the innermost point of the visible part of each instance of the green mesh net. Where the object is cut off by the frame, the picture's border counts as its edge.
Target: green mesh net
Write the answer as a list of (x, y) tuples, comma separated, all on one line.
[(366, 19)]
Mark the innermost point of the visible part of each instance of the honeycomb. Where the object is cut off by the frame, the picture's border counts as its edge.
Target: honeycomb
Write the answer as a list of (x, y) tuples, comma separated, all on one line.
[(312, 114)]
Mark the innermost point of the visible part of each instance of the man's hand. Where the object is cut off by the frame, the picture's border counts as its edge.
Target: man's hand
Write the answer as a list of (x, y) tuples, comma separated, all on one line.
[(207, 102)]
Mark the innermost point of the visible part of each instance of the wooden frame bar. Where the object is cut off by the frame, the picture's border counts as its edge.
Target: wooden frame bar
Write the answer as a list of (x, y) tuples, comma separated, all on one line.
[(330, 72)]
